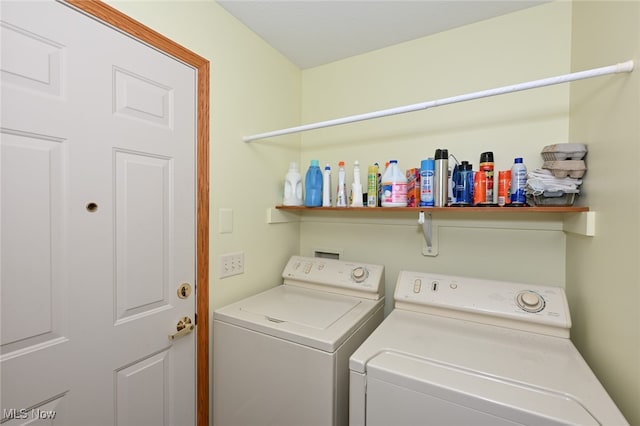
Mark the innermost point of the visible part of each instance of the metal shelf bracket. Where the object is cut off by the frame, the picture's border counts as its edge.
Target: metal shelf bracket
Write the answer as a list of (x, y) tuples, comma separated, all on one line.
[(430, 248)]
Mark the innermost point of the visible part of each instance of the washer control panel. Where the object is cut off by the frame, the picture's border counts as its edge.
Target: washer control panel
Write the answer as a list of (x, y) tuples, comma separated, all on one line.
[(346, 277), (517, 305)]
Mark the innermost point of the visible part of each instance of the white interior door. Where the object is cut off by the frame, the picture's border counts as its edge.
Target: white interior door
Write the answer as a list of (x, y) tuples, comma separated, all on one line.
[(97, 223)]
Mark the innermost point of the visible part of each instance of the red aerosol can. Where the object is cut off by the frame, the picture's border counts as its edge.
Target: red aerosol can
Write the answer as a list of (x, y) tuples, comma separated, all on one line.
[(504, 187), (479, 188), (486, 167)]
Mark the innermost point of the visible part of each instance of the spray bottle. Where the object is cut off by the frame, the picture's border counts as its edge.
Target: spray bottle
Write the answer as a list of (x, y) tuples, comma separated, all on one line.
[(372, 186), (356, 186), (341, 197), (326, 187)]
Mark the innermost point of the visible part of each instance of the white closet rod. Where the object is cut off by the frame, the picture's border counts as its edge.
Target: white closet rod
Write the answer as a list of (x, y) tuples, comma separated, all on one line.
[(595, 72)]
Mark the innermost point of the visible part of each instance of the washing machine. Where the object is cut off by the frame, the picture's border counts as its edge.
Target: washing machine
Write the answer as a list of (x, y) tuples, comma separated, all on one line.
[(281, 357), (464, 351)]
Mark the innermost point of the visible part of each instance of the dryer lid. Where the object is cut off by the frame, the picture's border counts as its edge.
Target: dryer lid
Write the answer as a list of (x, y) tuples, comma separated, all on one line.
[(420, 351), (446, 393), (310, 317)]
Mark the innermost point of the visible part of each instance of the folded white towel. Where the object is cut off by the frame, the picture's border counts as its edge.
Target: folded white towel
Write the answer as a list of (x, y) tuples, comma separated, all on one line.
[(541, 180)]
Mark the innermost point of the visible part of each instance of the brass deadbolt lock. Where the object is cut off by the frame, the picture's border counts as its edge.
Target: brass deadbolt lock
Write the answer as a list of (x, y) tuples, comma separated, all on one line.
[(184, 290)]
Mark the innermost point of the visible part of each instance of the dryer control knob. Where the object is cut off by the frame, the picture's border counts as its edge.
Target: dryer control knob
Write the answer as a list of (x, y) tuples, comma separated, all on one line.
[(530, 301), (359, 274)]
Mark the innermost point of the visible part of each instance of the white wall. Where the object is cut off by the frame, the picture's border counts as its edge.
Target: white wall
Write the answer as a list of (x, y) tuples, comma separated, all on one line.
[(518, 47), (603, 273)]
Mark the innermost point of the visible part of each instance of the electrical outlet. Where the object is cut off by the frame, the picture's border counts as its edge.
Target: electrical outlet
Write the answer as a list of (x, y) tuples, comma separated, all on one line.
[(231, 264)]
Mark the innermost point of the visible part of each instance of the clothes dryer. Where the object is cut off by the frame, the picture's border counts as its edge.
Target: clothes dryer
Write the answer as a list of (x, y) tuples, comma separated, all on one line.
[(281, 357), (464, 351)]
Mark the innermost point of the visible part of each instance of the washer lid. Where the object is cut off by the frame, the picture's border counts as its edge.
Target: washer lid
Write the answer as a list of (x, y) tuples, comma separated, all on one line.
[(308, 309), (310, 317)]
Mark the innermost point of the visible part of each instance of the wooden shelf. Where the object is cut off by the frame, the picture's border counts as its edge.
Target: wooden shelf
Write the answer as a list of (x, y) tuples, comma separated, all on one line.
[(574, 219), (515, 210)]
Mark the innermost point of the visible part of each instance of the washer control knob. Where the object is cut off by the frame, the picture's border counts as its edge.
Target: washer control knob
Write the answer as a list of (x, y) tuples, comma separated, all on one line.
[(530, 301), (359, 274)]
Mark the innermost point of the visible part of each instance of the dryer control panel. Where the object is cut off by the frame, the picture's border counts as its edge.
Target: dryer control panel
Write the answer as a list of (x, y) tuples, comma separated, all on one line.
[(338, 276), (543, 309)]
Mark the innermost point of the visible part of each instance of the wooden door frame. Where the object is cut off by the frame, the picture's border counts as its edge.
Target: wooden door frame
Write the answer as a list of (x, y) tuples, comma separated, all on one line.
[(122, 22)]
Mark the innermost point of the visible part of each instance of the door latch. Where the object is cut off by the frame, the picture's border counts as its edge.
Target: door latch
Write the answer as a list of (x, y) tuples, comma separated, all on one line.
[(184, 327)]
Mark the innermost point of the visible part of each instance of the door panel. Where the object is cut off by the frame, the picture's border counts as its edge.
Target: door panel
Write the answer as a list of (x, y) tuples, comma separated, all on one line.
[(34, 63), (98, 222), (140, 98), (141, 388), (30, 165), (143, 234)]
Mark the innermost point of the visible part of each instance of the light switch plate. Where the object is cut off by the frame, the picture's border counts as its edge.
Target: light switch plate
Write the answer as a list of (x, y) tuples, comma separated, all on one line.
[(225, 221)]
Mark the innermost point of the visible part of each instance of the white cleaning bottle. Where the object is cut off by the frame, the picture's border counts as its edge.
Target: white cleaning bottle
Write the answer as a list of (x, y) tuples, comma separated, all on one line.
[(293, 186), (326, 187), (341, 198), (394, 186), (356, 186)]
